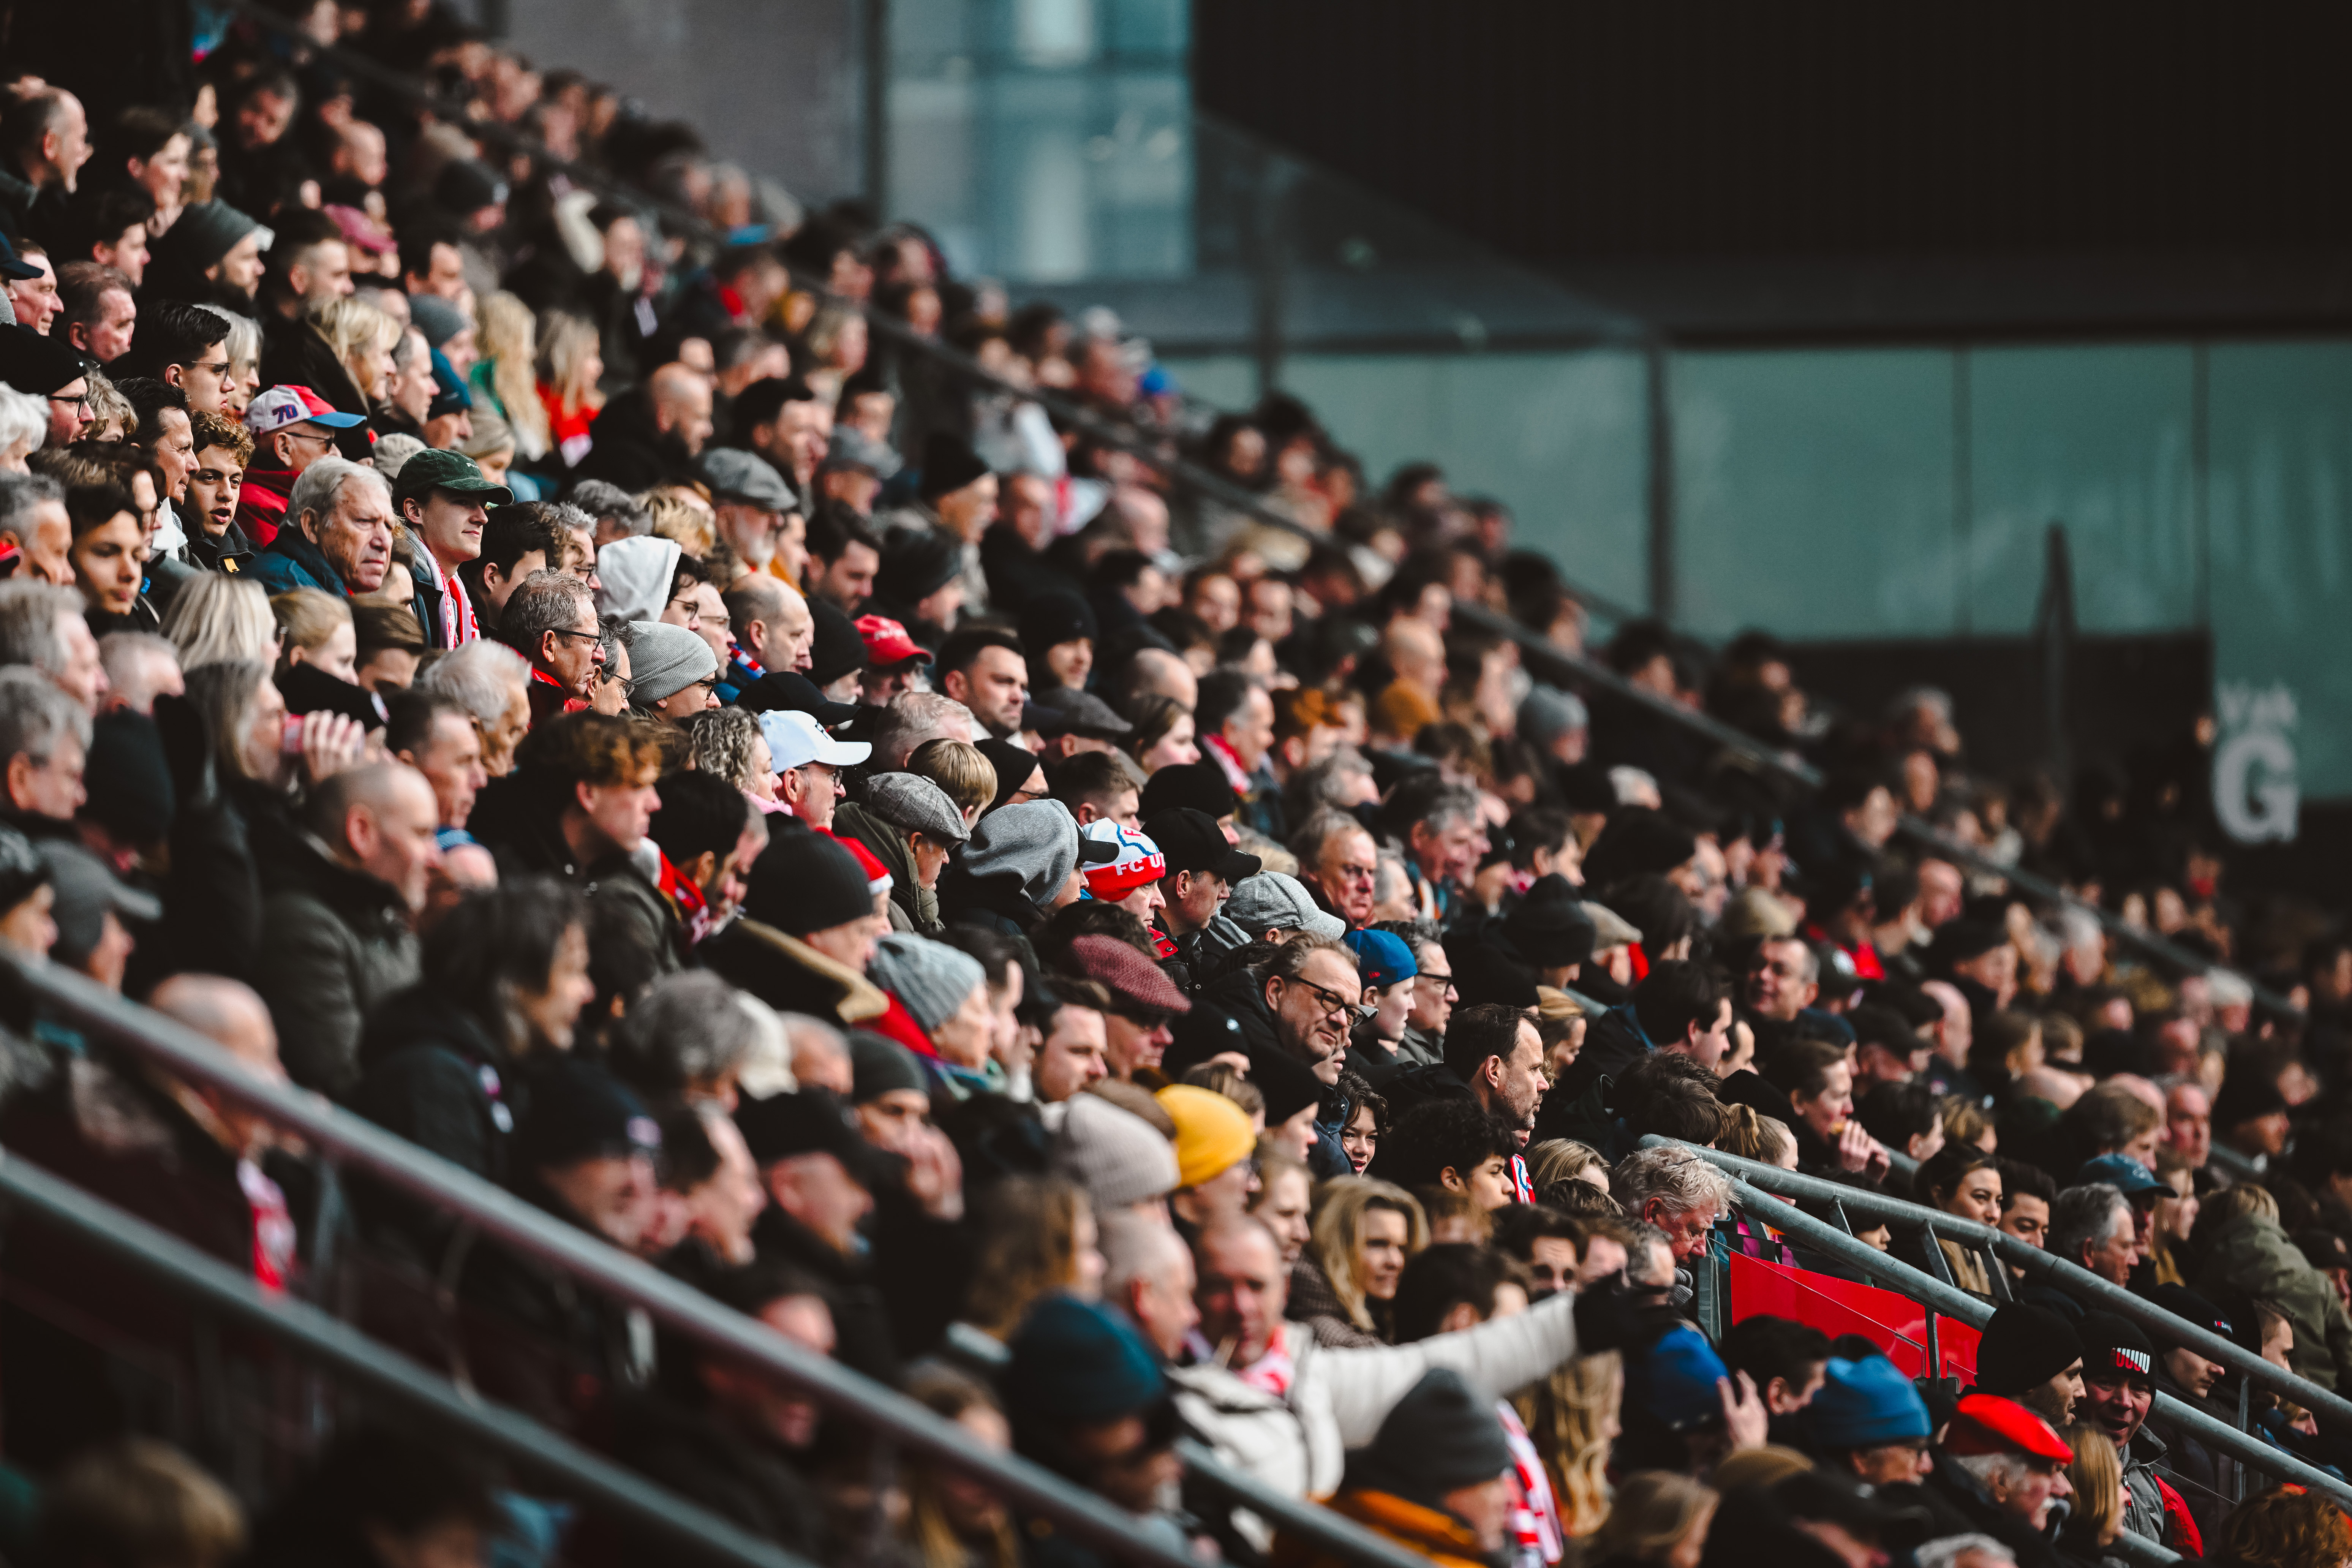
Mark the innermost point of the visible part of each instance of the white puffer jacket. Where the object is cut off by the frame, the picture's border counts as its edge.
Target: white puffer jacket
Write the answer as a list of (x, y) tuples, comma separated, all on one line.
[(1338, 1397)]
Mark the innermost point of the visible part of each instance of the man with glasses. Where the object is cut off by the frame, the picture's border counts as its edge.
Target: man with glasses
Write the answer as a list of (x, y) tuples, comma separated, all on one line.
[(1136, 1034), (293, 427), (1309, 987), (48, 367), (184, 347), (550, 620), (808, 763)]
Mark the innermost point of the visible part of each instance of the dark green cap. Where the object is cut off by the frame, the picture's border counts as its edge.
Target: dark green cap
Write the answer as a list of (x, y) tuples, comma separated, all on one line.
[(434, 470)]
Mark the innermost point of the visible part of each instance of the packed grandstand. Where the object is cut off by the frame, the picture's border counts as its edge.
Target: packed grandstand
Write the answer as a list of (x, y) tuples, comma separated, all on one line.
[(1087, 912)]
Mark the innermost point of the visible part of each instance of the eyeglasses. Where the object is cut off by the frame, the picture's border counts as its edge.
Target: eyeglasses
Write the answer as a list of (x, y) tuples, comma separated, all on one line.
[(628, 687), (323, 439), (1332, 1001), (560, 632), (221, 368), (81, 402), (1024, 796)]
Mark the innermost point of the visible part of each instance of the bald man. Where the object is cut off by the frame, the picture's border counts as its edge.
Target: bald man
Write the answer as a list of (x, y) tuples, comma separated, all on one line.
[(773, 631), (1148, 1275), (649, 436), (337, 934), (681, 405), (233, 1017)]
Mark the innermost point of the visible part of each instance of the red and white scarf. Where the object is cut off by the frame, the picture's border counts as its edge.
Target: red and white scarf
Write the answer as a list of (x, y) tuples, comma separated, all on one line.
[(273, 1227), (458, 623), (1536, 1532)]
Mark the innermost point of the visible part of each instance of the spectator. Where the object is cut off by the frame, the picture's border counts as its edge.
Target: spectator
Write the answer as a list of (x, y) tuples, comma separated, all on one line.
[(2001, 1469), (551, 619), (335, 533), (44, 746), (2033, 1355), (440, 497), (293, 431), (339, 925)]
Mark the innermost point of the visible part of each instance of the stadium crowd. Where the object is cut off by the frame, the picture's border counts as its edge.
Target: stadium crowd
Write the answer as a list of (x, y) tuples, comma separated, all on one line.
[(1110, 964)]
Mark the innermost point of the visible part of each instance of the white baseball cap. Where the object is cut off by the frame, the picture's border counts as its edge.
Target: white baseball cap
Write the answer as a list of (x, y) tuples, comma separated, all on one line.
[(795, 739)]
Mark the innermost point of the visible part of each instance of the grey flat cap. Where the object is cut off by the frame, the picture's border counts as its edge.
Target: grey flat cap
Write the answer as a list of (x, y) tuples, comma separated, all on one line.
[(734, 474), (1077, 712), (851, 448), (916, 804), (1272, 902)]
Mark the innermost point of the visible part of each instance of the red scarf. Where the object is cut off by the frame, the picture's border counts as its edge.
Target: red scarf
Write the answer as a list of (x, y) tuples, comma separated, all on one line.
[(1235, 774), (273, 1227)]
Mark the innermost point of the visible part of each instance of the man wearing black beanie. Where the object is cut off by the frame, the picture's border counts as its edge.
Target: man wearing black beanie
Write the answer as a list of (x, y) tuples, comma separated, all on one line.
[(2031, 1354), (2118, 1386), (808, 931)]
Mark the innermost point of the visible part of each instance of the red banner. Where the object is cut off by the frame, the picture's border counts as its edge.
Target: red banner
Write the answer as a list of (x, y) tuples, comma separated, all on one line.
[(1896, 1324)]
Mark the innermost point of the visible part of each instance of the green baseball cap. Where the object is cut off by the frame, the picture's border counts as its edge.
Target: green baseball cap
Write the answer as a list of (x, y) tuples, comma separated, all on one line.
[(434, 470)]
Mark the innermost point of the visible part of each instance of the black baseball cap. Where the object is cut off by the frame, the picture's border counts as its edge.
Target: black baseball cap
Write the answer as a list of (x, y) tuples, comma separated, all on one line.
[(1192, 841)]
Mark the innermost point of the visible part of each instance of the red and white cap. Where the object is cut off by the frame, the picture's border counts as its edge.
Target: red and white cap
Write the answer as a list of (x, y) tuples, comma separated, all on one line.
[(1135, 861), (282, 405)]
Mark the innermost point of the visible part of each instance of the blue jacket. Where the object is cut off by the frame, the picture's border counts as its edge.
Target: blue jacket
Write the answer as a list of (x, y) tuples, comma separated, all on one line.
[(293, 561)]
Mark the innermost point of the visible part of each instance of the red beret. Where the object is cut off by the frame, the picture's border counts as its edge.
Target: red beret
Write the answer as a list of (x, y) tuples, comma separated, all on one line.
[(1132, 980), (1987, 1424)]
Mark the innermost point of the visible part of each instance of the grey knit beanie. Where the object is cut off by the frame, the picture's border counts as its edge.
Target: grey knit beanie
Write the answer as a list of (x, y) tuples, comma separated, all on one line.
[(914, 804), (664, 660), (1037, 838), (1118, 1157), (930, 977), (1546, 713), (437, 318)]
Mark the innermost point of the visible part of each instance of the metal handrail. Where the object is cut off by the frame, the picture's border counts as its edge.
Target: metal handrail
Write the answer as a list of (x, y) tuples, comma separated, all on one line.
[(1577, 666), (507, 1220), (1938, 1296), (330, 1341), (2071, 1277)]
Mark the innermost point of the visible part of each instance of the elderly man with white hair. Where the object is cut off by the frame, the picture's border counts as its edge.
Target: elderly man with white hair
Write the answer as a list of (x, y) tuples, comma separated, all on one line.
[(337, 536), (1676, 1191)]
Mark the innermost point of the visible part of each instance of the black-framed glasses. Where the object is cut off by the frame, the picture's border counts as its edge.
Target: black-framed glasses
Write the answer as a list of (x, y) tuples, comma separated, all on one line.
[(220, 369), (1332, 1001), (628, 687), (80, 402), (562, 632)]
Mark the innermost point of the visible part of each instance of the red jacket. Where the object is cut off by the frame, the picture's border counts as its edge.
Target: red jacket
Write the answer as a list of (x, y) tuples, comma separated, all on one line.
[(261, 504)]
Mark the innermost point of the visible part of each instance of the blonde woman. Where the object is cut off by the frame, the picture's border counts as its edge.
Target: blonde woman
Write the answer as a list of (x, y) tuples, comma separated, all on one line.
[(727, 743), (363, 339), (492, 446), (2097, 1476), (216, 619), (1566, 1159), (1364, 1231), (570, 367), (1764, 1139), (1657, 1516), (505, 379), (1572, 1417), (315, 629)]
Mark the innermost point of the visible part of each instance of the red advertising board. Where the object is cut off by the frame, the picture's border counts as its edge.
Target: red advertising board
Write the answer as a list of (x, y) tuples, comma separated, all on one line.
[(1896, 1324)]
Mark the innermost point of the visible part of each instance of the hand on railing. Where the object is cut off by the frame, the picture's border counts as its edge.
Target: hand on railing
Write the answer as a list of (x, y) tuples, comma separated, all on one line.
[(1860, 1152)]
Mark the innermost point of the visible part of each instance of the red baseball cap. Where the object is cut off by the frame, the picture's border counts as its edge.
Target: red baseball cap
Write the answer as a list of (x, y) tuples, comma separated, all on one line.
[(886, 641), (1988, 1425)]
